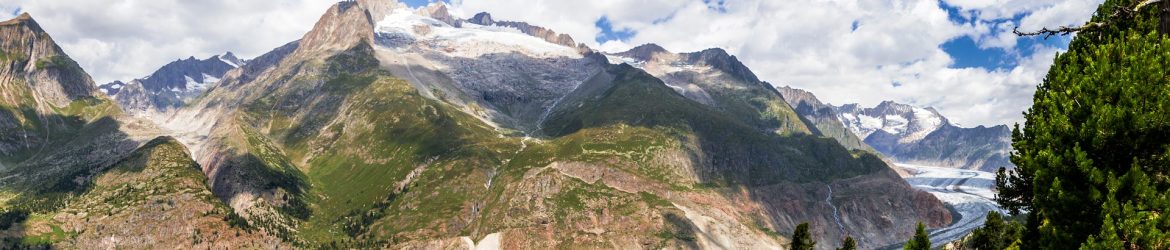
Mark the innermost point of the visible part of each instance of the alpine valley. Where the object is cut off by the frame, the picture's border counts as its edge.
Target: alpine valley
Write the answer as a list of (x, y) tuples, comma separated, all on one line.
[(409, 128)]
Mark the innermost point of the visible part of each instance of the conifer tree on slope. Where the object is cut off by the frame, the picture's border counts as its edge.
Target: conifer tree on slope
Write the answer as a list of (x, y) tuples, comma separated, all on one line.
[(1093, 158), (802, 239), (848, 244), (996, 234), (921, 240)]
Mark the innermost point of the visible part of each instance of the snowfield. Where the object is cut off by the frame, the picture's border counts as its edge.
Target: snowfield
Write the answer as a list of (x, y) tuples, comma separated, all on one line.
[(470, 41), (968, 191)]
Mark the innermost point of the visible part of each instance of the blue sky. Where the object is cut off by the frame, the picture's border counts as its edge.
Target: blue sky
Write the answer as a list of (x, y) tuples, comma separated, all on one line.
[(416, 3), (966, 51)]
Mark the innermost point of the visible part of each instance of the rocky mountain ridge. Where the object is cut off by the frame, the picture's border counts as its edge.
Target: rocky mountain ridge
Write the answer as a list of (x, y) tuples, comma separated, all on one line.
[(907, 134), (823, 117), (59, 136), (922, 136), (30, 56), (172, 85), (42, 90), (500, 79), (390, 127)]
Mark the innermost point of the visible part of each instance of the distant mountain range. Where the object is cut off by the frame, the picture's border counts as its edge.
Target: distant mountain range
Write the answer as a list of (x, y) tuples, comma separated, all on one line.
[(922, 136), (908, 134), (391, 127), (172, 85)]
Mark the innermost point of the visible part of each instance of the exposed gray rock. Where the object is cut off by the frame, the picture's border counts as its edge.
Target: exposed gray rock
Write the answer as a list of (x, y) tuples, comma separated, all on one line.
[(644, 52), (37, 81), (922, 136), (172, 85), (30, 58), (822, 117)]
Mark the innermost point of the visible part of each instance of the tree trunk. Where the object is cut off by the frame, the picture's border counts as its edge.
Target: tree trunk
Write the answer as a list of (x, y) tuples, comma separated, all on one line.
[(1164, 24)]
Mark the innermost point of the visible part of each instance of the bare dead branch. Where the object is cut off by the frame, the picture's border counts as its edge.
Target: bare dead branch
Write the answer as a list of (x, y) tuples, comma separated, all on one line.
[(1119, 14), (1063, 30)]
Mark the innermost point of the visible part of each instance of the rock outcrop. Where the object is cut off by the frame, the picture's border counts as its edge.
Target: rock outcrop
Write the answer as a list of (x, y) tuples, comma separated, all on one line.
[(30, 59), (42, 90)]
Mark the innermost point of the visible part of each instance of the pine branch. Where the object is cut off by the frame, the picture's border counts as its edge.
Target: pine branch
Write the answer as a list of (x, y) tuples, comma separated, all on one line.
[(1119, 14)]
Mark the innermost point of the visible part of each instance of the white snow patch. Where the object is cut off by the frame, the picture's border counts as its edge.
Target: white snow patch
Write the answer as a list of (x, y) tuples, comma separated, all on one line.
[(924, 123), (895, 124), (193, 85), (207, 80), (471, 40), (234, 65), (614, 59), (869, 122), (861, 125), (848, 117)]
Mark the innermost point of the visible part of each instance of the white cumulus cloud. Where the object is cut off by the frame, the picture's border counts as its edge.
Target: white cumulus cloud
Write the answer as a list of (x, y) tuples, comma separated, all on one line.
[(843, 51)]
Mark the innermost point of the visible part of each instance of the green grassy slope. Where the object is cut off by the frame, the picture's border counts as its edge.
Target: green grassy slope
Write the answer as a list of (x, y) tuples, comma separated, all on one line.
[(742, 153), (156, 196)]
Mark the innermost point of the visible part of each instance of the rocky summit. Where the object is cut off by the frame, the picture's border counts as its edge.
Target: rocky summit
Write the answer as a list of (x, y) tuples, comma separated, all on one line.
[(171, 86), (391, 127)]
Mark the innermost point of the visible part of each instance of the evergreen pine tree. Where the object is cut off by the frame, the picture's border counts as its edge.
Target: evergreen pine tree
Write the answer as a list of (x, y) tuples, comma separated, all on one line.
[(802, 239), (921, 240), (996, 234), (1093, 157), (848, 244)]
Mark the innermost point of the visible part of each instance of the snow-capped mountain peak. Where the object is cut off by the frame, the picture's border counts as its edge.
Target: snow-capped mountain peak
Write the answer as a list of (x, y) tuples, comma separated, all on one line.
[(908, 122), (173, 84), (231, 59)]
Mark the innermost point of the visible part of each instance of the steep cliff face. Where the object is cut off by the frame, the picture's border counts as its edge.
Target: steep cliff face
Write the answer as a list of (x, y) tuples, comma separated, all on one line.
[(343, 26), (34, 70), (44, 95)]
